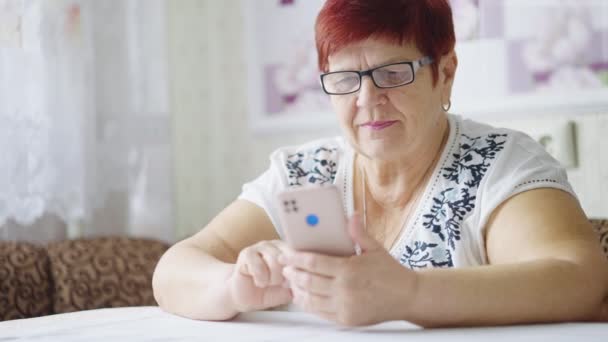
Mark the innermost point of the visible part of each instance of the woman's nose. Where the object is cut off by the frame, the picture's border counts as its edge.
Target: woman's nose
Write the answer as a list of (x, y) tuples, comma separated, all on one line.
[(369, 95)]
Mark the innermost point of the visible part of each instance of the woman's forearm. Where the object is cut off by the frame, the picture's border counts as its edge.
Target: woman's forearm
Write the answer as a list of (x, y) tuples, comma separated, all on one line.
[(539, 291), (190, 283)]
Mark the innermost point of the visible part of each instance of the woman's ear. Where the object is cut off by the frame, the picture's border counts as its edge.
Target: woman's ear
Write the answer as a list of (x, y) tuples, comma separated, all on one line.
[(447, 72)]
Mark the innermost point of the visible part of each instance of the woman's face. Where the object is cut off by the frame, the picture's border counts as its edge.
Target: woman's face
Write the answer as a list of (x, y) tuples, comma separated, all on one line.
[(396, 122)]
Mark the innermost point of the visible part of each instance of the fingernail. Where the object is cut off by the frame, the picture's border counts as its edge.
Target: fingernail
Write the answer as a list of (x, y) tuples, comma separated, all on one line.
[(282, 259)]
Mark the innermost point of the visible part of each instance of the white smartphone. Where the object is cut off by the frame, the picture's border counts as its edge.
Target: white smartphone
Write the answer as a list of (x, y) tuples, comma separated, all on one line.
[(313, 220)]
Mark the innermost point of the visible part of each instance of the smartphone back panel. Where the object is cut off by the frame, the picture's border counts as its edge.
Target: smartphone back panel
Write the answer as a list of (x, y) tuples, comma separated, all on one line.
[(313, 220)]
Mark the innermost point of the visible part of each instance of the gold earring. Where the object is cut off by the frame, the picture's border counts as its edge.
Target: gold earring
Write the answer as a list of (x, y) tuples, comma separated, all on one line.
[(446, 108)]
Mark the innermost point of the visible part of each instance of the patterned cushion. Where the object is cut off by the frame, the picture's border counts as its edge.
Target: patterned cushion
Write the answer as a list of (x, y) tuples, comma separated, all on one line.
[(601, 227), (103, 272), (25, 284)]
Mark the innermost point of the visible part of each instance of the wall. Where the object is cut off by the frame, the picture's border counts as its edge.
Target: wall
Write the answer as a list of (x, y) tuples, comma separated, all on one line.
[(214, 150)]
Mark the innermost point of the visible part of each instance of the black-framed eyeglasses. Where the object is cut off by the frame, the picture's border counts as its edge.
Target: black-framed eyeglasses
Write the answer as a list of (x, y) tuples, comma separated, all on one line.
[(385, 76)]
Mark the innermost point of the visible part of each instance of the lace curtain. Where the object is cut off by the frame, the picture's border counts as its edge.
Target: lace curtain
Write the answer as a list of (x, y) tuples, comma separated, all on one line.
[(85, 146)]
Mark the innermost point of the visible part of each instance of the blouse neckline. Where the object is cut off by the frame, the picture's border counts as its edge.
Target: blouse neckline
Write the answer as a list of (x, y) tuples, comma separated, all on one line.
[(410, 225)]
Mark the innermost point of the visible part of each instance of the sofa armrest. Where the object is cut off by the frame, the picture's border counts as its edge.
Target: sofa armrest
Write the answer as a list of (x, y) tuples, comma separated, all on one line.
[(601, 227)]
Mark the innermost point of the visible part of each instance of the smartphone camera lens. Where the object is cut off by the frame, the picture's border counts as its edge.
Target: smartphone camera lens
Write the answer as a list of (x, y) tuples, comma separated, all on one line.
[(290, 206)]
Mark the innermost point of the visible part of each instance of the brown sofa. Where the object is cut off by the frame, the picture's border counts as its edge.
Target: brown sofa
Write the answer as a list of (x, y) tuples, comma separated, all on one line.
[(75, 275), (601, 227), (89, 274)]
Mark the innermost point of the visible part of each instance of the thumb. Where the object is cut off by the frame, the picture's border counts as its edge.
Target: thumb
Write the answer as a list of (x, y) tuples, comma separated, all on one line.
[(275, 296), (359, 236)]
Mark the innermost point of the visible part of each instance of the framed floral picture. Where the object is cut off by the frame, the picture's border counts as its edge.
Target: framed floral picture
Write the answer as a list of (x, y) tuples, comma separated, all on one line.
[(521, 57), (284, 92)]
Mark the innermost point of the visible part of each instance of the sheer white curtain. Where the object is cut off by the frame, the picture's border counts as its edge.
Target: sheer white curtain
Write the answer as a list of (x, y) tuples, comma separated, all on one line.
[(85, 145)]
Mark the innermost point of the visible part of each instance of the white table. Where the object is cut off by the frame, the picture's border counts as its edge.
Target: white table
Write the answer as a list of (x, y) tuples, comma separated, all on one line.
[(152, 324)]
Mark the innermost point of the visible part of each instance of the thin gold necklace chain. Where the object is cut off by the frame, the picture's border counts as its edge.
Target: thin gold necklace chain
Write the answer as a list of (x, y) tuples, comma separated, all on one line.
[(417, 194), (411, 205)]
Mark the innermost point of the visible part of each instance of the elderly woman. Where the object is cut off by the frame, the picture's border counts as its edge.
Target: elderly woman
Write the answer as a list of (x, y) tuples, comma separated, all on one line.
[(460, 223)]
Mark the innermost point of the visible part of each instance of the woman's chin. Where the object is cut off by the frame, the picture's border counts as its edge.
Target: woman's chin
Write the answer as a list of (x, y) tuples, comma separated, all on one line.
[(379, 150)]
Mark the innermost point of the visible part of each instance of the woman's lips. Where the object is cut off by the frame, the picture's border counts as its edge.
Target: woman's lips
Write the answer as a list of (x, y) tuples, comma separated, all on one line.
[(379, 125)]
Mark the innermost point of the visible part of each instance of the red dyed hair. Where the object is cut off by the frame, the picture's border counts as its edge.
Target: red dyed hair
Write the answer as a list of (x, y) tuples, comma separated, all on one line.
[(426, 23)]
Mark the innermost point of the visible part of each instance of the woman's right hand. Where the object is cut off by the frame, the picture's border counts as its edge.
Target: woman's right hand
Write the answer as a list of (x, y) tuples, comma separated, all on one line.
[(257, 282)]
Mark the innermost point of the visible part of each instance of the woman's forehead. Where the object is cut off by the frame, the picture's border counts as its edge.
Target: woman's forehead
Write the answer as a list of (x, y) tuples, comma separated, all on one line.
[(371, 52)]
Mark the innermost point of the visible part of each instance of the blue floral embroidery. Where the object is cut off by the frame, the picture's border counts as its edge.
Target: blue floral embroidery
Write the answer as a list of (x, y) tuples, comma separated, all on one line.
[(473, 158), (314, 167), (455, 201), (447, 214), (423, 254)]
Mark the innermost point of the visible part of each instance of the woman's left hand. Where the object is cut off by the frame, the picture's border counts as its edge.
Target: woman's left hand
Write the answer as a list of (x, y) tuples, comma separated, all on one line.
[(359, 290)]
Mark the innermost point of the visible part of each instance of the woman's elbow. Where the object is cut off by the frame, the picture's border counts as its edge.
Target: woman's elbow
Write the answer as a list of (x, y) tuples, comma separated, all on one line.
[(600, 312), (595, 287), (159, 282)]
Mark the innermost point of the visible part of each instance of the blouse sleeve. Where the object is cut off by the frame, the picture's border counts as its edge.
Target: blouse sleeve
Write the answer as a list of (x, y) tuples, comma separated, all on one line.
[(263, 190), (524, 165), (315, 162)]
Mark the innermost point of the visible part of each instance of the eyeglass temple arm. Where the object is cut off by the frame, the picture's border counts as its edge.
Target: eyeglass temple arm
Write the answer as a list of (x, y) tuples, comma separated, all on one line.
[(422, 62)]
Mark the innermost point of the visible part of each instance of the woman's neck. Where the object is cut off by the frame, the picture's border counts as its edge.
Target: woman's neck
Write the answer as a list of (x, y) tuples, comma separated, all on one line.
[(392, 184)]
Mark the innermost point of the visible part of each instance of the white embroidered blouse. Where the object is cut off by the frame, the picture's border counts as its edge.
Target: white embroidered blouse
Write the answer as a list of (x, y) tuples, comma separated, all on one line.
[(479, 168)]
